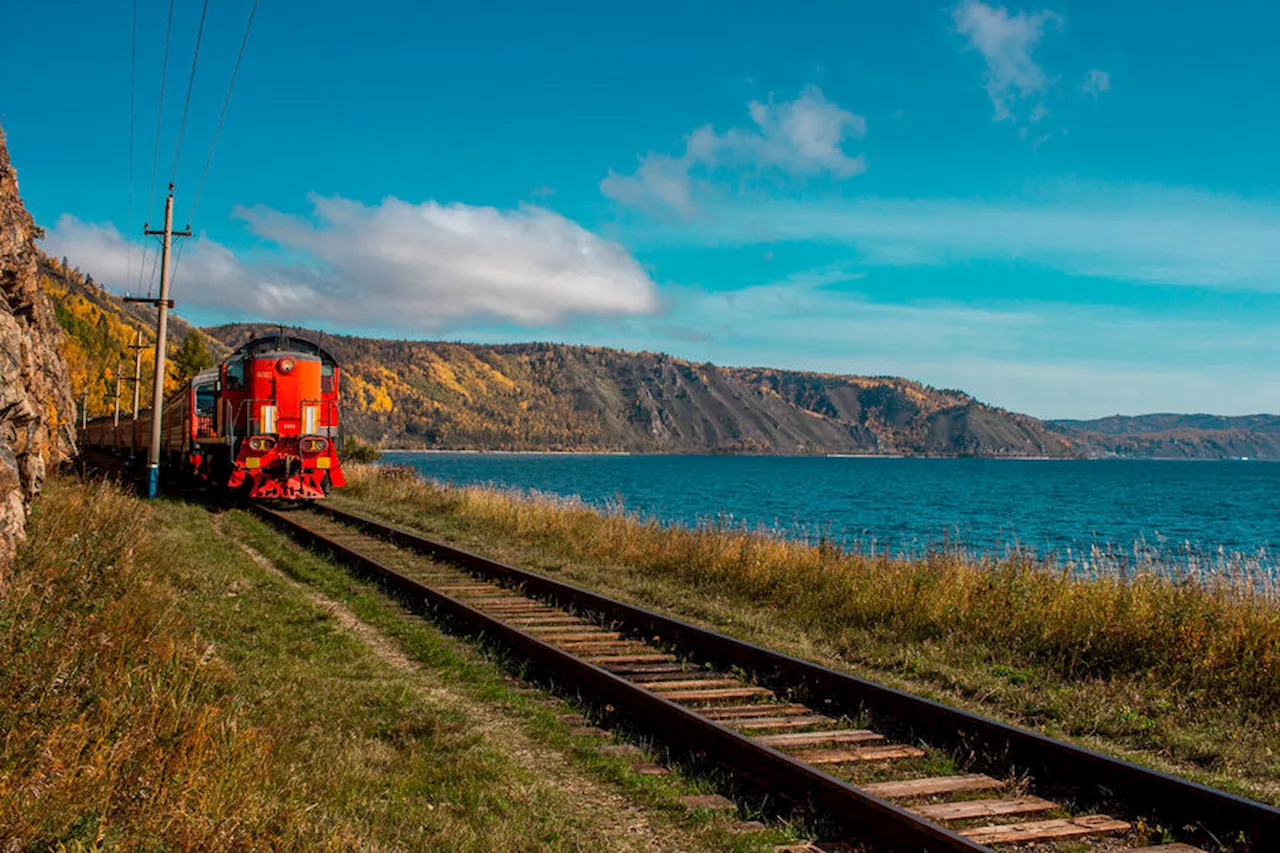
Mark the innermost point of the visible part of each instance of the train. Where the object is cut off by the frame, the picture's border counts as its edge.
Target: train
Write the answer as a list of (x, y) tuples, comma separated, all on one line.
[(264, 423)]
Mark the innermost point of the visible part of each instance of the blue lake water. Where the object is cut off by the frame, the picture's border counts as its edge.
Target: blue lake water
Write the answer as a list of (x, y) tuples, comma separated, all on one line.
[(1180, 509)]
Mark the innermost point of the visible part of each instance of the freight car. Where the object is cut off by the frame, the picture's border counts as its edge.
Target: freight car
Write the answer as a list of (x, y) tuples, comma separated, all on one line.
[(264, 422)]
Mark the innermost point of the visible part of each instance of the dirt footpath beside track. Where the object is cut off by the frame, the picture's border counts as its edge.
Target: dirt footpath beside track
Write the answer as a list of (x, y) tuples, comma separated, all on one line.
[(605, 814)]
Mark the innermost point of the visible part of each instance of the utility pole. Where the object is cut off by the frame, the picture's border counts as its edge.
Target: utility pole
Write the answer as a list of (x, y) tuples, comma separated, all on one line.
[(164, 303), (115, 422), (137, 348)]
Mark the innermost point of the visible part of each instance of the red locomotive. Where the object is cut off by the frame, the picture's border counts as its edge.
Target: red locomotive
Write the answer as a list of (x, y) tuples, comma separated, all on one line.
[(265, 422)]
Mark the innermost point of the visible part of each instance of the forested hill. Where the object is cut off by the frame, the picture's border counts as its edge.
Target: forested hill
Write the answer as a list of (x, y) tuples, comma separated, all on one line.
[(556, 397), (100, 327), (1175, 436), (551, 396)]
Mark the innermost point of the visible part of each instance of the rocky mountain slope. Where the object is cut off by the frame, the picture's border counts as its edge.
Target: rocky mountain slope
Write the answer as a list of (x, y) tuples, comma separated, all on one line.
[(1175, 436), (549, 396), (36, 411)]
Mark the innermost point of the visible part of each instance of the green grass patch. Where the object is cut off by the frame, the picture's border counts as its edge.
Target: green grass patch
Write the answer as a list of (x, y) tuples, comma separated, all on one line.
[(1181, 675), (162, 690), (486, 674)]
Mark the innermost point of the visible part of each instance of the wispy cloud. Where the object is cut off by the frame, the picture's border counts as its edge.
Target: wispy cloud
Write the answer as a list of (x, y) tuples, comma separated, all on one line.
[(1007, 44), (1095, 83), (396, 265), (805, 136), (1137, 234), (1049, 359)]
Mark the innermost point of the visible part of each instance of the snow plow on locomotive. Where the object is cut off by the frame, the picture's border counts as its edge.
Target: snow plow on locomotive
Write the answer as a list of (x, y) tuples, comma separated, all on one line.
[(265, 422)]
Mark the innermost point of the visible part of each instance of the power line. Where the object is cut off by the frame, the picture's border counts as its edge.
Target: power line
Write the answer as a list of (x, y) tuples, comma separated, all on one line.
[(133, 75), (186, 101), (213, 143), (155, 156), (151, 279), (221, 116)]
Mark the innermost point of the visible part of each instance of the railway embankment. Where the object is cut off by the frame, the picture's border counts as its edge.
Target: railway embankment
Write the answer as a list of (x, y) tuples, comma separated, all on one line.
[(181, 677), (1180, 675)]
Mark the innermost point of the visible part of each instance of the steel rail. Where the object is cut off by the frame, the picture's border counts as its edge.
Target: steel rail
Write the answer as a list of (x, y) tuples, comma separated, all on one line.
[(1175, 801), (857, 811)]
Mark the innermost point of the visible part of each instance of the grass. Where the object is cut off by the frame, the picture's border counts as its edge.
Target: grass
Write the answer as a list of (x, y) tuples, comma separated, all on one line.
[(1179, 672), (162, 689)]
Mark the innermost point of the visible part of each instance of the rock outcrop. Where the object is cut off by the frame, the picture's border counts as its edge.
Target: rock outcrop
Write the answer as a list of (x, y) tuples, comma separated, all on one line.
[(36, 410)]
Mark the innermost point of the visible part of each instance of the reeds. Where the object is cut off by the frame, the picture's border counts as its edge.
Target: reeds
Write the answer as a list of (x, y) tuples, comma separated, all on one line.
[(1194, 627)]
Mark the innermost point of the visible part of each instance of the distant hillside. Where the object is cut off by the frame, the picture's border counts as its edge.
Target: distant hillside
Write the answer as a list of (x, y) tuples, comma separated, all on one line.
[(1166, 422), (1174, 436), (431, 394), (549, 396)]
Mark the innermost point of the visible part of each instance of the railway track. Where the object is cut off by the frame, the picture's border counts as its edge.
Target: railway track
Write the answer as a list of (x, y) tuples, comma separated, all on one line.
[(879, 763)]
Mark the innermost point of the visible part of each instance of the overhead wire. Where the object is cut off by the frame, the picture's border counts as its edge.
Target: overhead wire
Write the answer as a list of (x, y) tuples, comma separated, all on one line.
[(235, 70), (186, 101), (151, 279), (217, 130), (155, 156), (133, 76)]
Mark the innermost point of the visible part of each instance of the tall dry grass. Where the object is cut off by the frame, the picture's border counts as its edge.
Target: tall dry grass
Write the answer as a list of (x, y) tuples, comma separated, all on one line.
[(113, 725), (1201, 632)]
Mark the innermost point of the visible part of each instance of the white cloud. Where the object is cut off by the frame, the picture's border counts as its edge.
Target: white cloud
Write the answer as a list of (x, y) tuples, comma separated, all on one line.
[(806, 136), (99, 250), (396, 265), (660, 182), (1095, 83), (1133, 233), (1007, 44)]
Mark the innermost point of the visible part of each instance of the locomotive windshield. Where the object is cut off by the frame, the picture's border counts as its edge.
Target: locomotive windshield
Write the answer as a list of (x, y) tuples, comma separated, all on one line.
[(206, 400), (235, 374)]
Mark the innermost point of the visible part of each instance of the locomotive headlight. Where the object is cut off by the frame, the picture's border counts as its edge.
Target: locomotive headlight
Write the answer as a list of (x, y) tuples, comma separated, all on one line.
[(285, 365), (261, 443), (314, 445)]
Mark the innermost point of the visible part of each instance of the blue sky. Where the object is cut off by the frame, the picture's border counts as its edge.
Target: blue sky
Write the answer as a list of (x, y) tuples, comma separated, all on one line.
[(1065, 208)]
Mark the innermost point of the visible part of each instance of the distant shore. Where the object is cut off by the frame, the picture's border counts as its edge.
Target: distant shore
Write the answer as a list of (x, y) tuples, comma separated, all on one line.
[(522, 452), (472, 452)]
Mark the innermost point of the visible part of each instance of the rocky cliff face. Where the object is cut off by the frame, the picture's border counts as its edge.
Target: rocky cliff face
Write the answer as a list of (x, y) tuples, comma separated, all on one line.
[(36, 410)]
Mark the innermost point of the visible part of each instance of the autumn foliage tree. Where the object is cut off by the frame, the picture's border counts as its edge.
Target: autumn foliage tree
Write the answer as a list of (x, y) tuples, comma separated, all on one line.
[(191, 357)]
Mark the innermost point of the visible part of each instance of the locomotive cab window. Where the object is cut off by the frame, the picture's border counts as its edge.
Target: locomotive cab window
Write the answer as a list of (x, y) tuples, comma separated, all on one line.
[(206, 400), (326, 378), (235, 375)]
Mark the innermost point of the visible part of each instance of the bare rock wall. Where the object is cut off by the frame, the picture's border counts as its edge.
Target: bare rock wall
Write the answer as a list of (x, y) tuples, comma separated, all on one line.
[(36, 411)]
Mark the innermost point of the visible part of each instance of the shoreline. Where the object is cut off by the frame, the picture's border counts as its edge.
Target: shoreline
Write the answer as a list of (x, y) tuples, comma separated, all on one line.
[(1168, 539), (905, 456), (1013, 638)]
